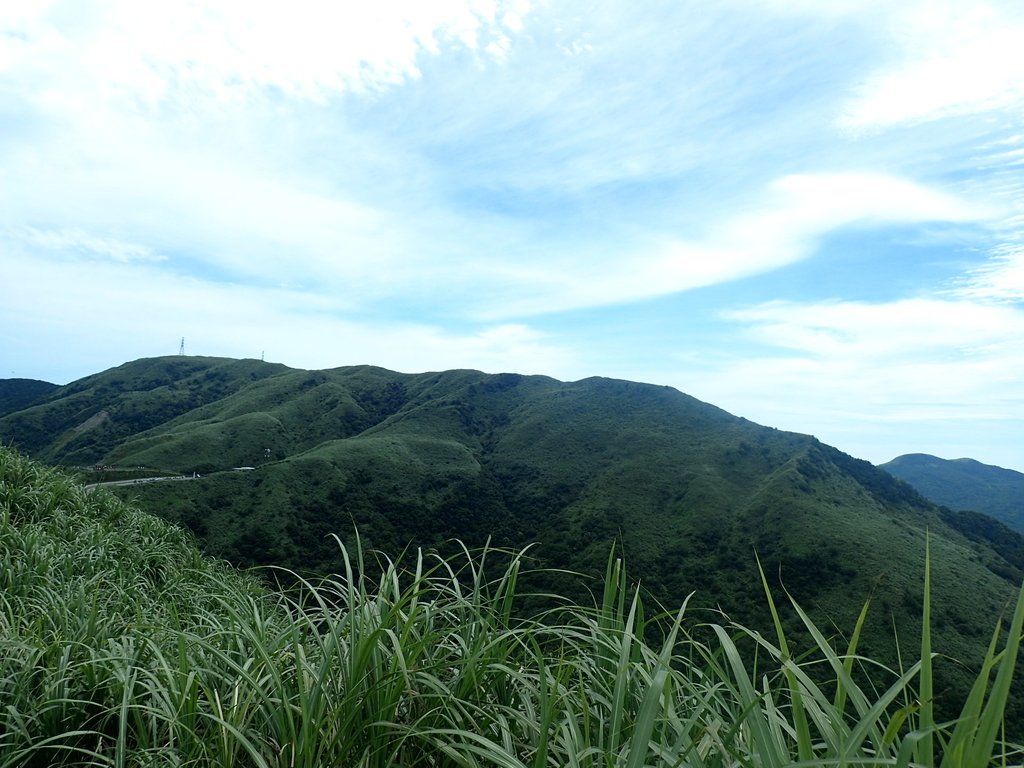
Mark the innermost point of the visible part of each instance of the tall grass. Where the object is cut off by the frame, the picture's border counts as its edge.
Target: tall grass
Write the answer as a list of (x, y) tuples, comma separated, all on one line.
[(121, 646)]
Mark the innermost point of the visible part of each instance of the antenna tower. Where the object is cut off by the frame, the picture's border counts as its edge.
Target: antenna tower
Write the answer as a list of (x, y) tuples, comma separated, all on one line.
[(181, 348)]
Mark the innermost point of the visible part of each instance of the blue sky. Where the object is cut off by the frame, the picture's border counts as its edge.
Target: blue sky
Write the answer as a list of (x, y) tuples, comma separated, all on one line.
[(809, 213)]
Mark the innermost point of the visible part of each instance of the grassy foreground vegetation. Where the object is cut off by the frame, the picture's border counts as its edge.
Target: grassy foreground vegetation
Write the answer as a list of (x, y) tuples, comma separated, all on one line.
[(121, 645)]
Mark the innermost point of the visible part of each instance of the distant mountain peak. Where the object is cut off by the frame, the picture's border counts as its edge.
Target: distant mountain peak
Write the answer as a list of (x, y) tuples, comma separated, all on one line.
[(964, 484)]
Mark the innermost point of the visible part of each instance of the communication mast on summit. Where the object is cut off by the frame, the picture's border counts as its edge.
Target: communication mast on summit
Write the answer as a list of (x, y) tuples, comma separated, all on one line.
[(181, 348)]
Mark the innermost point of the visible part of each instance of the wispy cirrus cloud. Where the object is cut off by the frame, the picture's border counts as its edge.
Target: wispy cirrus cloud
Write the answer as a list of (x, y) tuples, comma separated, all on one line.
[(909, 330), (90, 245), (310, 50), (1000, 278), (782, 227)]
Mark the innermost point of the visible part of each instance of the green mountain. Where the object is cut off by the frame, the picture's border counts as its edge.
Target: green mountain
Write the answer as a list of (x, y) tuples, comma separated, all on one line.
[(17, 394), (691, 491), (964, 484)]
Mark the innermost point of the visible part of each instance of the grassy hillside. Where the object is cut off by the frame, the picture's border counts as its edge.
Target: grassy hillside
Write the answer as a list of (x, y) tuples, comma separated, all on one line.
[(691, 491), (80, 422), (965, 484), (120, 645), (18, 394)]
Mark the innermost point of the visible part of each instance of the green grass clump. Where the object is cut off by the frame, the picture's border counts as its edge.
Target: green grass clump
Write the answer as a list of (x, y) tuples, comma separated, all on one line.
[(120, 645)]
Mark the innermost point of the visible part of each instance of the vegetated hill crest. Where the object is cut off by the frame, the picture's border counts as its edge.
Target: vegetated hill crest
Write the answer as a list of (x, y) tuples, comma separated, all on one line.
[(690, 491), (17, 394), (964, 484)]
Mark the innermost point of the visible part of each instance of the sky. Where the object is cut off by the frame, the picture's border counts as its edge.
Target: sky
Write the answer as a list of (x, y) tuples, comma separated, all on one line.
[(809, 213)]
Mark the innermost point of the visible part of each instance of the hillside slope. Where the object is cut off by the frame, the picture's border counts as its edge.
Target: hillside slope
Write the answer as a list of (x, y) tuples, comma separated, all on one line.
[(18, 394), (964, 484), (691, 491), (80, 422), (121, 645)]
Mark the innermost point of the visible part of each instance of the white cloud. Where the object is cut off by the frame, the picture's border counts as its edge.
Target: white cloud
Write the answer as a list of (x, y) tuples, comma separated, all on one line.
[(142, 129), (311, 49), (782, 227), (132, 192), (78, 241), (91, 315), (237, 208), (1000, 279), (911, 331), (874, 378), (953, 58)]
